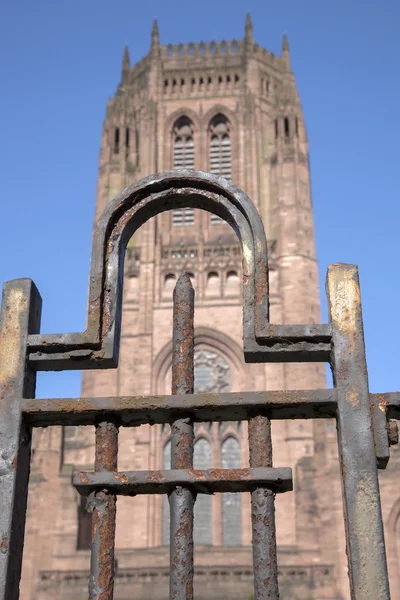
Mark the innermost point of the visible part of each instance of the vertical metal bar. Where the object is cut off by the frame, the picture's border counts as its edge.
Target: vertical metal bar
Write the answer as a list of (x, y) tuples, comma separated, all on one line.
[(263, 514), (361, 500), (20, 315), (103, 505), (182, 439)]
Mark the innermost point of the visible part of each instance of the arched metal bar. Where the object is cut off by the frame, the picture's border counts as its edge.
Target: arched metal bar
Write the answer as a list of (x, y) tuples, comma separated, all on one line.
[(98, 346)]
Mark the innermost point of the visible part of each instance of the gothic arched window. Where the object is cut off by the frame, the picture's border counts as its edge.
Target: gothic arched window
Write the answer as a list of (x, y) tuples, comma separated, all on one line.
[(202, 531), (183, 158), (220, 146), (231, 503), (211, 374), (220, 150), (166, 516), (168, 286), (213, 287)]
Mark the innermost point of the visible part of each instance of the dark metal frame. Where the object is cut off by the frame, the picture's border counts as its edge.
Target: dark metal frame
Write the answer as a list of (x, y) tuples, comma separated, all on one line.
[(362, 419)]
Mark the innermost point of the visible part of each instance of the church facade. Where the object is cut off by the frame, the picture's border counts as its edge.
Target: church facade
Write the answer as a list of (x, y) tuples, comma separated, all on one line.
[(231, 108)]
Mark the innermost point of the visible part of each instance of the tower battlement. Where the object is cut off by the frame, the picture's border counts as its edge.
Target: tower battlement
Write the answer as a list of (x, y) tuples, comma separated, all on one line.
[(218, 51), (202, 49), (203, 57)]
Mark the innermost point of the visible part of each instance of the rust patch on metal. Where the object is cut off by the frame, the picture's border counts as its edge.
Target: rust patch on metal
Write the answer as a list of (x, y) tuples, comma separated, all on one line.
[(4, 545), (106, 449), (156, 477), (104, 513), (83, 477), (230, 474), (198, 474), (103, 520), (263, 513)]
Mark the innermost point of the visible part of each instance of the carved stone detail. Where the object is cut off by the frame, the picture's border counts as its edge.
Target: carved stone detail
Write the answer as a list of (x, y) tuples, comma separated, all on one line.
[(211, 372)]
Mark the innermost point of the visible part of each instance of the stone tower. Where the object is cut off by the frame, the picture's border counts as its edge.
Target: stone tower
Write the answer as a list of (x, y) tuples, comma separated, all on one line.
[(231, 108)]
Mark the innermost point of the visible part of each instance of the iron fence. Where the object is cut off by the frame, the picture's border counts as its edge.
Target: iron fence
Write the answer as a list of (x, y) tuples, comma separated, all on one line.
[(363, 419)]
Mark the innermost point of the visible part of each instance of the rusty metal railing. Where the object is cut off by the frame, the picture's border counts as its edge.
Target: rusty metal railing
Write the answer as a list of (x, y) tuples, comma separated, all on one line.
[(364, 429)]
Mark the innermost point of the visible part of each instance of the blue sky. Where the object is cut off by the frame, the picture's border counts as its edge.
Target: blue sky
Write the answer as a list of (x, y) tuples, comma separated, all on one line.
[(61, 61)]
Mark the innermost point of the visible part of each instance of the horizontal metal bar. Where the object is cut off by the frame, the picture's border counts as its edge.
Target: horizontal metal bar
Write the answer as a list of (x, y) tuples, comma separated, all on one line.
[(380, 429), (289, 343), (277, 350), (313, 333), (71, 360), (384, 407), (274, 343), (130, 483), (60, 342), (138, 410), (389, 402), (203, 573), (65, 351)]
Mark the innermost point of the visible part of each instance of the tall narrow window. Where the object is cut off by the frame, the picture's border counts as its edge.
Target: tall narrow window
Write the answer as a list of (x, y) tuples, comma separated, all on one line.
[(84, 526), (232, 287), (202, 533), (211, 374), (220, 151), (116, 140), (286, 127), (231, 503), (183, 144), (166, 516), (137, 147)]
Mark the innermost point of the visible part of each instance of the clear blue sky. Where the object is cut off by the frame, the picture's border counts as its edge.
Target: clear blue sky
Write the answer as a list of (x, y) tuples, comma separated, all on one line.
[(61, 61)]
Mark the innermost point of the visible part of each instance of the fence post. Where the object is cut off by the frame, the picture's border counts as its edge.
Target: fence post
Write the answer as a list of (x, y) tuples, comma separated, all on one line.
[(20, 315), (361, 500)]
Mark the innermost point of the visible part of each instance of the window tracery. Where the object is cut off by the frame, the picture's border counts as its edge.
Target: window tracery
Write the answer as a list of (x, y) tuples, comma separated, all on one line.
[(211, 372)]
